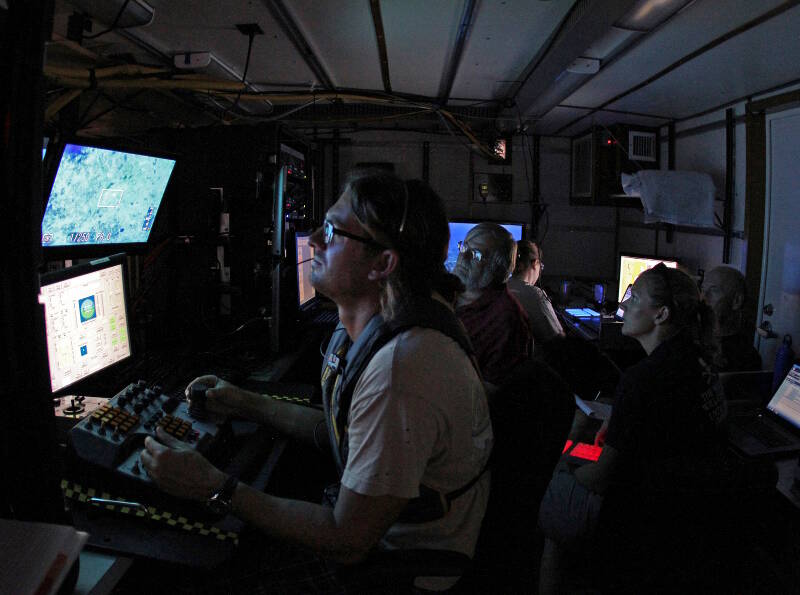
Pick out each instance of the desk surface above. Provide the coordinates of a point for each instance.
(788, 470)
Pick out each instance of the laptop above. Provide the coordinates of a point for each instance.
(773, 431)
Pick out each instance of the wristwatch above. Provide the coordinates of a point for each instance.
(221, 501)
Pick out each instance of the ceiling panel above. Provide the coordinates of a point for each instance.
(556, 118)
(745, 65)
(342, 36)
(688, 31)
(203, 26)
(420, 35)
(573, 122)
(505, 36)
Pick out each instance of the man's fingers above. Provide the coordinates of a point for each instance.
(208, 380)
(148, 462)
(153, 446)
(167, 440)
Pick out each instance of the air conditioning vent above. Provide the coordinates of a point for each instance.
(582, 166)
(642, 146)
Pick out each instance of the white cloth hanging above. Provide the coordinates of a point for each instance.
(677, 197)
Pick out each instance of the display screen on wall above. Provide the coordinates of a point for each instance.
(459, 230)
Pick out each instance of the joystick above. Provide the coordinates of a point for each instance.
(74, 408)
(197, 401)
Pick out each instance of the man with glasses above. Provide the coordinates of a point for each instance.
(495, 321)
(544, 322)
(405, 410)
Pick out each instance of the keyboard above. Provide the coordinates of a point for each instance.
(766, 434)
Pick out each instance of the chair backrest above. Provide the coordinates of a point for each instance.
(582, 366)
(531, 417)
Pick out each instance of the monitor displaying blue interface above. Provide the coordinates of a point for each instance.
(103, 196)
(459, 230)
(86, 320)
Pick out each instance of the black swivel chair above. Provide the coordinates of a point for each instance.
(531, 416)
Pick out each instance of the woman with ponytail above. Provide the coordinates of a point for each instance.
(664, 428)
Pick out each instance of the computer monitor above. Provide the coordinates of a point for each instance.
(86, 320)
(459, 230)
(632, 265)
(104, 197)
(304, 254)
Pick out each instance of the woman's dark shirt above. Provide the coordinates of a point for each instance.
(667, 414)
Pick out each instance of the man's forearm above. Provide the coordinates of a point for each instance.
(290, 419)
(312, 526)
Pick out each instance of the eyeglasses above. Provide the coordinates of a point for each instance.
(463, 249)
(328, 231)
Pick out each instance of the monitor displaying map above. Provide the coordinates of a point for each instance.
(631, 266)
(103, 196)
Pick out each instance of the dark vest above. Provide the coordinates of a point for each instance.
(342, 367)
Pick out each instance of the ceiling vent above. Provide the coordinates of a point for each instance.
(642, 145)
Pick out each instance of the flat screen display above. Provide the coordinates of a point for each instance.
(786, 401)
(86, 320)
(631, 267)
(459, 230)
(103, 196)
(305, 254)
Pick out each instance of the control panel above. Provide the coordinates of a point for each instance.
(112, 436)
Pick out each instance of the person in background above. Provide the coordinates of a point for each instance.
(666, 420)
(495, 321)
(543, 320)
(724, 290)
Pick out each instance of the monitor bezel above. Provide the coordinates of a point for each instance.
(92, 266)
(635, 255)
(77, 251)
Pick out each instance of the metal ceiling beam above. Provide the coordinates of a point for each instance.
(284, 19)
(587, 21)
(458, 50)
(377, 21)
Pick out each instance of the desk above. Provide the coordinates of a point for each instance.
(787, 486)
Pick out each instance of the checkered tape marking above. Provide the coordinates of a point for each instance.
(299, 400)
(74, 491)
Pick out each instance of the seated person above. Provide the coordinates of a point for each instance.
(724, 290)
(414, 419)
(543, 320)
(666, 419)
(495, 321)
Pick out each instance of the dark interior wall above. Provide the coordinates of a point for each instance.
(28, 480)
(179, 297)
